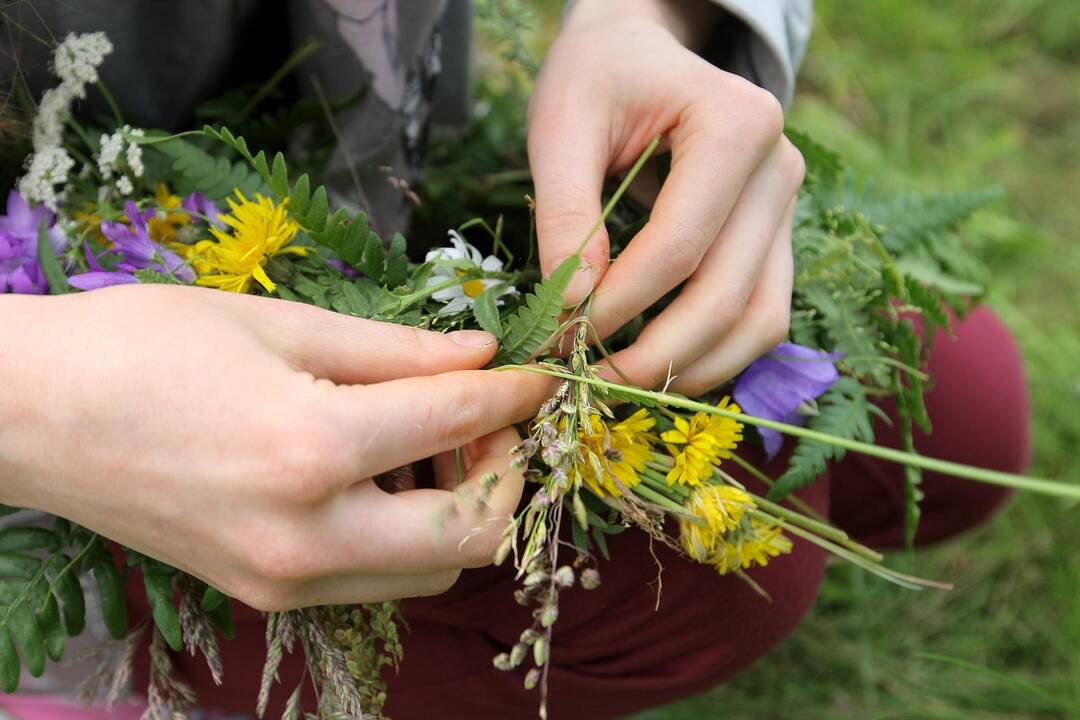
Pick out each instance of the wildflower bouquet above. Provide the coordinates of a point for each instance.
(204, 207)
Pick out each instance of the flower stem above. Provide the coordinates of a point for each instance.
(992, 477)
(663, 501)
(769, 482)
(824, 530)
(908, 581)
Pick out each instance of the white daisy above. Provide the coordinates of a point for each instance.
(452, 262)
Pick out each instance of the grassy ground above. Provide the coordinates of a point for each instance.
(957, 95)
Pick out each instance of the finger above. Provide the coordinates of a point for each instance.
(425, 416)
(715, 296)
(568, 157)
(761, 328)
(713, 156)
(426, 531)
(351, 350)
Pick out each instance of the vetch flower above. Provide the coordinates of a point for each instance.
(720, 509)
(456, 261)
(700, 443)
(134, 250)
(260, 229)
(776, 384)
(20, 271)
(613, 454)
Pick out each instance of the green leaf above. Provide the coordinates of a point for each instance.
(70, 592)
(159, 593)
(19, 566)
(923, 268)
(10, 667)
(195, 169)
(146, 276)
(50, 266)
(279, 177)
(15, 539)
(538, 318)
(487, 313)
(7, 510)
(24, 628)
(212, 599)
(843, 412)
(110, 587)
(222, 618)
(374, 259)
(48, 619)
(397, 263)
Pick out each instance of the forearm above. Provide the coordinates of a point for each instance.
(18, 328)
(690, 21)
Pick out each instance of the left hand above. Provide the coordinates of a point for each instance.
(618, 74)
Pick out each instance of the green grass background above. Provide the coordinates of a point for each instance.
(954, 95)
(949, 96)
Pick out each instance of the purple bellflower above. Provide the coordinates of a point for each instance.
(777, 383)
(20, 271)
(198, 204)
(135, 251)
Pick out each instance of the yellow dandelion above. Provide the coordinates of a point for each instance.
(260, 229)
(613, 456)
(720, 509)
(170, 216)
(754, 543)
(705, 440)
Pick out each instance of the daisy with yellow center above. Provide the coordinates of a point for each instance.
(255, 231)
(457, 261)
(700, 443)
(754, 543)
(170, 216)
(610, 457)
(719, 510)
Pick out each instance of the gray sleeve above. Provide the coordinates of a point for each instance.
(763, 41)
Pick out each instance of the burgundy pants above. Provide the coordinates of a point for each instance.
(614, 651)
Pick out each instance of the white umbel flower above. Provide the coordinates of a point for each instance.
(76, 63)
(451, 262)
(77, 59)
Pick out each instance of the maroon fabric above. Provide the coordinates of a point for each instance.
(615, 652)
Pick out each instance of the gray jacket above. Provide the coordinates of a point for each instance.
(412, 56)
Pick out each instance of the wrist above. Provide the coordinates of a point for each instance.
(18, 317)
(691, 22)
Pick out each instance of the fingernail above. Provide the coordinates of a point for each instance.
(472, 338)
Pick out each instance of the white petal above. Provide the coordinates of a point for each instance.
(491, 264)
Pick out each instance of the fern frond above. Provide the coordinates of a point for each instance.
(538, 317)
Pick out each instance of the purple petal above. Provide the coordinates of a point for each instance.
(100, 279)
(776, 384)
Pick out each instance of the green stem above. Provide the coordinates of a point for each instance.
(824, 530)
(769, 482)
(657, 499)
(114, 108)
(992, 477)
(908, 581)
(660, 484)
(623, 186)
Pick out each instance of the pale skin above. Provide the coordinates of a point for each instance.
(236, 437)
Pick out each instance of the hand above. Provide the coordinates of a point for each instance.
(616, 76)
(234, 437)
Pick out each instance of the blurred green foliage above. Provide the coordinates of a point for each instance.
(950, 96)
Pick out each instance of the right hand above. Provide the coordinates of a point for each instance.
(235, 438)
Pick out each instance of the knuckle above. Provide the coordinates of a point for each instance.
(479, 551)
(278, 558)
(684, 249)
(794, 165)
(407, 336)
(765, 113)
(776, 322)
(308, 460)
(466, 421)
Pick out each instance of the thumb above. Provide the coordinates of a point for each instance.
(568, 159)
(352, 351)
